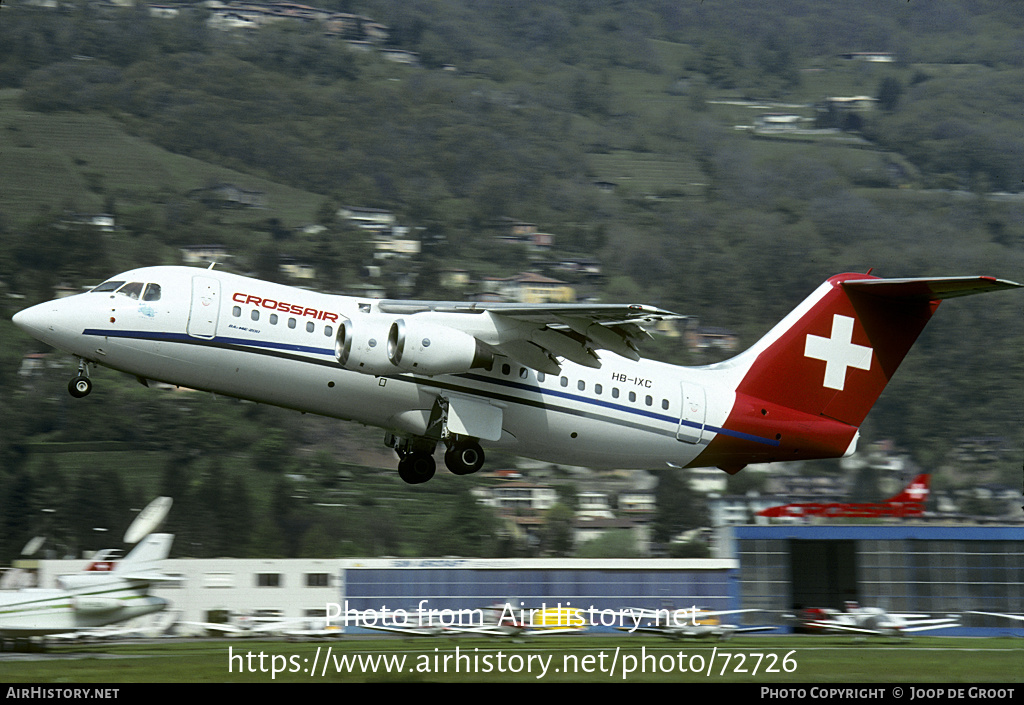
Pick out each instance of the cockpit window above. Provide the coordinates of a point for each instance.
(109, 286)
(152, 293)
(132, 290)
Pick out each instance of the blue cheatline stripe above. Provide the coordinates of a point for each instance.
(620, 407)
(218, 340)
(261, 347)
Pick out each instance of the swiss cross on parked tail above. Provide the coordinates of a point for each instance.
(838, 352)
(917, 492)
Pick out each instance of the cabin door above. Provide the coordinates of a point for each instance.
(692, 415)
(202, 318)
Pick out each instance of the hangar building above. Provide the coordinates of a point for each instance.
(898, 567)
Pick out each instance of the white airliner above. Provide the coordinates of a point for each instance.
(561, 383)
(89, 599)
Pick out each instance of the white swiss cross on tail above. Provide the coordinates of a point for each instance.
(917, 492)
(838, 352)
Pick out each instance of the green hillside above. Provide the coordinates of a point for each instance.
(87, 162)
(506, 112)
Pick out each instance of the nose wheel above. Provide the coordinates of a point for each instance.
(81, 385)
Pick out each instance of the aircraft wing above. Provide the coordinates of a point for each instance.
(552, 631)
(535, 335)
(408, 631)
(501, 631)
(751, 630)
(661, 631)
(1018, 617)
(928, 624)
(723, 630)
(683, 613)
(313, 633)
(219, 627)
(837, 626)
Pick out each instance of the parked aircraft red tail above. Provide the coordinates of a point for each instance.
(909, 502)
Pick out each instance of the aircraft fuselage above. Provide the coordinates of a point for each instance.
(529, 380)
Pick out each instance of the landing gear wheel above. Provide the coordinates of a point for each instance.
(416, 468)
(80, 386)
(464, 458)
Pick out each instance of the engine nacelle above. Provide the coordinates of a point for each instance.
(361, 345)
(431, 349)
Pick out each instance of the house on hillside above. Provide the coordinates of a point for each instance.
(294, 269)
(531, 288)
(875, 57)
(227, 195)
(519, 496)
(780, 122)
(844, 112)
(375, 219)
(401, 56)
(203, 254)
(711, 338)
(454, 278)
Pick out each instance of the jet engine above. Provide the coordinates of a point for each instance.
(431, 349)
(361, 345)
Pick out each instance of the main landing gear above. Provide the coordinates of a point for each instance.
(464, 457)
(81, 385)
(416, 457)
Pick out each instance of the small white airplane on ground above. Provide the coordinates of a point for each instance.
(311, 629)
(874, 621)
(411, 630)
(417, 625)
(248, 626)
(89, 600)
(504, 620)
(688, 623)
(557, 382)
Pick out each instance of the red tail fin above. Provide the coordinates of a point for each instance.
(808, 384)
(834, 355)
(835, 359)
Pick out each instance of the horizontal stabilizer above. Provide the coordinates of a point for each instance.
(929, 289)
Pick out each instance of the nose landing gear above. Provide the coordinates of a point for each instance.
(81, 385)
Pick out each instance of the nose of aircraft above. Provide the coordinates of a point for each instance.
(33, 319)
(49, 322)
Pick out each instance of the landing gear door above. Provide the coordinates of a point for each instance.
(692, 415)
(202, 318)
(473, 417)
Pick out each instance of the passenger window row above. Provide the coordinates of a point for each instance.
(274, 319)
(581, 385)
